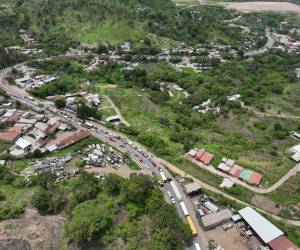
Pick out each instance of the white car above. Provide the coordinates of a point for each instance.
(173, 200)
(169, 193)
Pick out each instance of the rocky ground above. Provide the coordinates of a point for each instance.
(31, 231)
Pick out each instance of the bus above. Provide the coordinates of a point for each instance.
(191, 225)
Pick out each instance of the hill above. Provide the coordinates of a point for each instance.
(63, 23)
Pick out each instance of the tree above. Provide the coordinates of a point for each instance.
(113, 184)
(89, 221)
(47, 201)
(60, 103)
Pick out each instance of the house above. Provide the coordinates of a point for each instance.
(11, 134)
(192, 153)
(43, 127)
(296, 157)
(255, 179)
(93, 99)
(73, 138)
(199, 154)
(236, 170)
(24, 144)
(206, 158)
(24, 81)
(114, 118)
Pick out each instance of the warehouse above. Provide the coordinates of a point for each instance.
(261, 226)
(266, 231)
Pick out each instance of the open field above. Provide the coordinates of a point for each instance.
(265, 6)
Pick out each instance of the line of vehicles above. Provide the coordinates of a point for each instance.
(181, 202)
(162, 175)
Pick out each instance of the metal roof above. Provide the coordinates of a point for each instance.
(246, 174)
(264, 229)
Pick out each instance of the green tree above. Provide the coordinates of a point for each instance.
(60, 103)
(89, 221)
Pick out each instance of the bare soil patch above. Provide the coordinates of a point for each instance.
(31, 231)
(265, 6)
(236, 242)
(266, 204)
(123, 171)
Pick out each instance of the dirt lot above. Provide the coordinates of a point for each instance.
(266, 204)
(123, 171)
(236, 242)
(265, 6)
(31, 231)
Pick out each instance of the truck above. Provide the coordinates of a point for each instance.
(163, 177)
(176, 191)
(197, 246)
(184, 209)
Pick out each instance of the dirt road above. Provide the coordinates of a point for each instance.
(258, 190)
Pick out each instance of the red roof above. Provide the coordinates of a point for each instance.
(255, 178)
(199, 154)
(236, 170)
(207, 158)
(282, 243)
(78, 136)
(11, 134)
(14, 118)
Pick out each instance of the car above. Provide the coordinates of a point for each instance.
(161, 183)
(147, 167)
(169, 179)
(141, 161)
(181, 180)
(169, 193)
(173, 200)
(153, 173)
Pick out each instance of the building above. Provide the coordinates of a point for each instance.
(73, 138)
(192, 188)
(236, 170)
(192, 153)
(245, 175)
(114, 118)
(215, 219)
(296, 157)
(207, 158)
(261, 226)
(11, 134)
(282, 243)
(255, 179)
(199, 154)
(266, 231)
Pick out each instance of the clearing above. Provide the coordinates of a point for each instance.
(265, 6)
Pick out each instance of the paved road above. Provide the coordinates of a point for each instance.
(266, 47)
(139, 154)
(104, 135)
(292, 172)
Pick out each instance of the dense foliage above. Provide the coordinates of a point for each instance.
(95, 207)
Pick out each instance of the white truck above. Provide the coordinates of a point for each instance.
(163, 177)
(184, 209)
(176, 191)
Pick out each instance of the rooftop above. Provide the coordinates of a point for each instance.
(264, 229)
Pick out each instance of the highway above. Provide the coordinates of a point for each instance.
(137, 152)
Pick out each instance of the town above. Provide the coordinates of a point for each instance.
(149, 125)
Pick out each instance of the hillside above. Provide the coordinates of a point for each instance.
(63, 23)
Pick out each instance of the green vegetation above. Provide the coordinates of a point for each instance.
(131, 204)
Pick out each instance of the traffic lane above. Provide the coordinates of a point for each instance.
(135, 155)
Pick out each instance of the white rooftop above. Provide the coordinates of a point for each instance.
(296, 148)
(22, 143)
(264, 229)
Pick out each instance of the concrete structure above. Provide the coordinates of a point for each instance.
(215, 219)
(192, 188)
